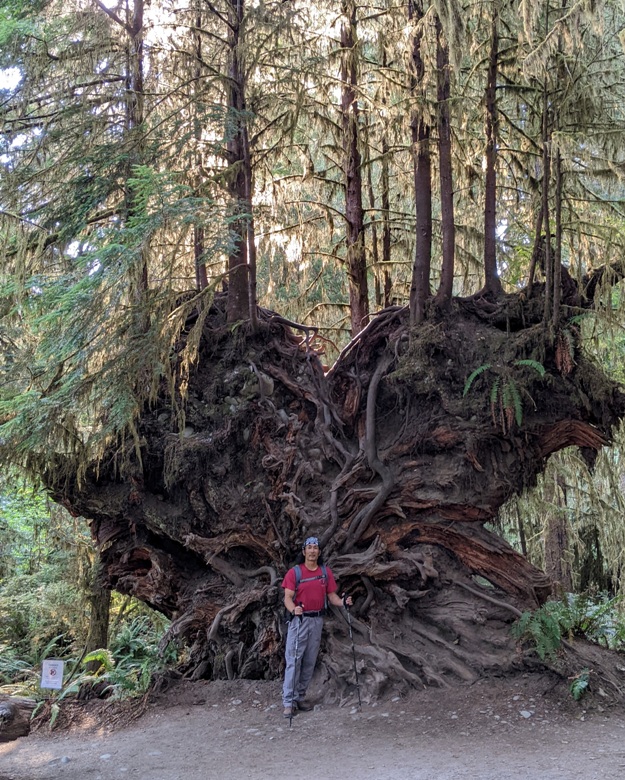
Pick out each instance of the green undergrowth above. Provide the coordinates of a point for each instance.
(124, 669)
(598, 619)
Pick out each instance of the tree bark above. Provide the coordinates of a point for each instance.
(492, 281)
(356, 259)
(420, 129)
(238, 176)
(386, 226)
(135, 107)
(201, 275)
(15, 713)
(384, 458)
(98, 638)
(557, 541)
(445, 289)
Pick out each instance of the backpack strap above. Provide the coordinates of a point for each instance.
(298, 576)
(323, 576)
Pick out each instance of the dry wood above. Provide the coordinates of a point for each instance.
(15, 713)
(387, 458)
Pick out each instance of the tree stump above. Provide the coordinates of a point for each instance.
(393, 459)
(15, 713)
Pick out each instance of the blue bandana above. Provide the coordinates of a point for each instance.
(311, 540)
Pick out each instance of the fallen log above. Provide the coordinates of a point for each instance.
(15, 713)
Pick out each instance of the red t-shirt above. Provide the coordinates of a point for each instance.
(310, 595)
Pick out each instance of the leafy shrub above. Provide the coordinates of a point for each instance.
(597, 619)
(126, 667)
(579, 684)
(543, 628)
(135, 649)
(34, 609)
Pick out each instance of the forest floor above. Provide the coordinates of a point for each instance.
(515, 728)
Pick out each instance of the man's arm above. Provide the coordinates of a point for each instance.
(290, 604)
(337, 601)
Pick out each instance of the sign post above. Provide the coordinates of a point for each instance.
(52, 674)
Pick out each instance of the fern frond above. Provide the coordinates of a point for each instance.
(473, 376)
(512, 400)
(105, 657)
(532, 364)
(579, 684)
(494, 391)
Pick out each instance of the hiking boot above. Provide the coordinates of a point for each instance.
(290, 712)
(304, 706)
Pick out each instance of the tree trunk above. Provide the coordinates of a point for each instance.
(546, 144)
(251, 232)
(547, 259)
(386, 209)
(100, 603)
(557, 260)
(557, 543)
(201, 275)
(385, 458)
(356, 259)
(446, 177)
(492, 282)
(135, 107)
(238, 282)
(420, 128)
(373, 225)
(386, 225)
(15, 715)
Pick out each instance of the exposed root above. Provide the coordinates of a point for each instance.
(387, 458)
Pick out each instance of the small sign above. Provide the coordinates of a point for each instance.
(52, 674)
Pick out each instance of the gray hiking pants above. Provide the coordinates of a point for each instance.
(306, 634)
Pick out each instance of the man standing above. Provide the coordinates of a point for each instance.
(308, 587)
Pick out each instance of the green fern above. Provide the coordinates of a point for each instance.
(511, 399)
(505, 396)
(494, 391)
(54, 714)
(597, 620)
(541, 627)
(532, 364)
(579, 684)
(105, 657)
(473, 376)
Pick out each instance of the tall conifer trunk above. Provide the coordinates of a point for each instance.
(420, 129)
(492, 282)
(100, 606)
(201, 276)
(446, 176)
(386, 224)
(238, 160)
(352, 173)
(135, 109)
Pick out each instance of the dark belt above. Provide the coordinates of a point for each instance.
(319, 613)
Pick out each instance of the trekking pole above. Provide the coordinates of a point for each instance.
(295, 675)
(351, 636)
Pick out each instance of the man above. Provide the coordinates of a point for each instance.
(308, 588)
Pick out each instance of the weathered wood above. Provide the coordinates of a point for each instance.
(388, 458)
(15, 713)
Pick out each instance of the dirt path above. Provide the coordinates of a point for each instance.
(225, 731)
